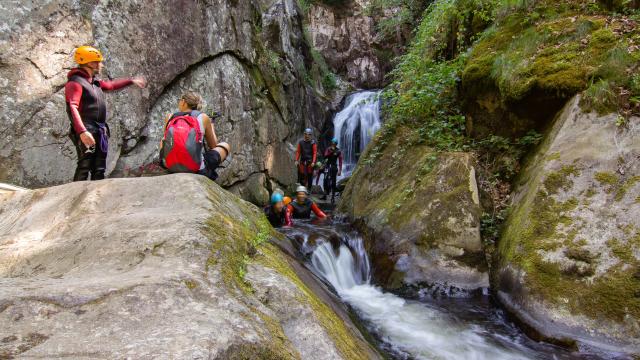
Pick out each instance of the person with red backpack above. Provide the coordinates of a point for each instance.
(87, 111)
(186, 133)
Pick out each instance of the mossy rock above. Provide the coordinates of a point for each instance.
(520, 73)
(568, 259)
(416, 205)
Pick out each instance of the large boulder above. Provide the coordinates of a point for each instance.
(124, 268)
(248, 59)
(421, 215)
(568, 262)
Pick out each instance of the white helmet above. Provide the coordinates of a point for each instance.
(302, 189)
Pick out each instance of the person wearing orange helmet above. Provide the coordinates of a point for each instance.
(87, 111)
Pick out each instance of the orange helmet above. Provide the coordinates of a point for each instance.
(287, 200)
(87, 54)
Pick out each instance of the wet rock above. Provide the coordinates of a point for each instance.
(420, 213)
(567, 258)
(122, 268)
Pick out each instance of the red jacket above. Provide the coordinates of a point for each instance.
(73, 92)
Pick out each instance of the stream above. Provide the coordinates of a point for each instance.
(466, 328)
(470, 328)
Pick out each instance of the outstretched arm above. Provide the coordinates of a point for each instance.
(340, 163)
(117, 84)
(298, 152)
(316, 210)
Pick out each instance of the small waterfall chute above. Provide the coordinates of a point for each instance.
(406, 327)
(356, 124)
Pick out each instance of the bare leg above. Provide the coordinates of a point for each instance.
(223, 149)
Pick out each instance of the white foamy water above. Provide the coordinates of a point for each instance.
(356, 124)
(409, 327)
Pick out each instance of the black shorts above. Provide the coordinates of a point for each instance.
(212, 161)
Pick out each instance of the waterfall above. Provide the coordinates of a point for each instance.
(410, 329)
(356, 124)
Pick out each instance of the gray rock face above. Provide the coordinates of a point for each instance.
(246, 58)
(122, 268)
(347, 36)
(569, 259)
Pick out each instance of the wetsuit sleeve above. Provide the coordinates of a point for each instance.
(114, 85)
(340, 160)
(287, 217)
(73, 95)
(298, 152)
(315, 153)
(316, 210)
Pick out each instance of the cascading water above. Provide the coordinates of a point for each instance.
(406, 327)
(356, 124)
(409, 329)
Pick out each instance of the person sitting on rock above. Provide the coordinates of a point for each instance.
(87, 111)
(277, 213)
(306, 155)
(302, 206)
(183, 146)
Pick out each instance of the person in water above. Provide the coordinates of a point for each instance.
(302, 206)
(306, 155)
(87, 111)
(333, 160)
(277, 213)
(186, 134)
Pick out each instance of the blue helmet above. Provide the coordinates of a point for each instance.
(276, 198)
(334, 141)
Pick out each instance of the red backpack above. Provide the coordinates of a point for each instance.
(182, 143)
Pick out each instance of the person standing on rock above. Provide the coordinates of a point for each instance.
(183, 149)
(306, 155)
(277, 213)
(333, 159)
(302, 206)
(87, 111)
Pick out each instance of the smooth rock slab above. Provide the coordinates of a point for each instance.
(164, 267)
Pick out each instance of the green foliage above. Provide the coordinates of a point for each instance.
(404, 14)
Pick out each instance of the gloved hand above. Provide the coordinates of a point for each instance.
(297, 163)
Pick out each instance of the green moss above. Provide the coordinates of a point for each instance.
(560, 179)
(553, 156)
(590, 192)
(621, 251)
(191, 284)
(606, 178)
(555, 56)
(626, 187)
(347, 345)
